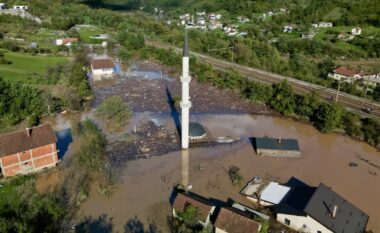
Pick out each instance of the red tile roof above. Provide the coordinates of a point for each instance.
(69, 40)
(183, 201)
(233, 222)
(342, 70)
(106, 63)
(21, 141)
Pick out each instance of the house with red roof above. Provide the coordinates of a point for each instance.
(27, 151)
(346, 74)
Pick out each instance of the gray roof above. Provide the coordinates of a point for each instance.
(348, 219)
(276, 144)
(196, 129)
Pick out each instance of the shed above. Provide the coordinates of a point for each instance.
(277, 147)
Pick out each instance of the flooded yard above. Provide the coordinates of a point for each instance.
(325, 158)
(146, 183)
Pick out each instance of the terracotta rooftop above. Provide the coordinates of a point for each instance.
(183, 201)
(342, 70)
(69, 40)
(26, 139)
(106, 63)
(231, 221)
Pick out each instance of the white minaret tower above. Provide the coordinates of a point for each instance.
(185, 103)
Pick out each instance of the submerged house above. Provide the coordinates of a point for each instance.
(102, 69)
(277, 147)
(28, 150)
(320, 210)
(184, 201)
(265, 194)
(232, 220)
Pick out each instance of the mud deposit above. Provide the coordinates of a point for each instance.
(325, 158)
(150, 90)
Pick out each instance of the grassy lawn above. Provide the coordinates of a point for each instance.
(26, 67)
(86, 33)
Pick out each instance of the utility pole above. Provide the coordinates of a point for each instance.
(337, 93)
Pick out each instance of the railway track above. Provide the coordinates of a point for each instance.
(351, 102)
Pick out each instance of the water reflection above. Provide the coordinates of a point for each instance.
(64, 139)
(185, 168)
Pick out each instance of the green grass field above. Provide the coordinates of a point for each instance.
(86, 33)
(26, 67)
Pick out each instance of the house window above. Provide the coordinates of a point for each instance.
(287, 221)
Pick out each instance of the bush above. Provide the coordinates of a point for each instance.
(235, 176)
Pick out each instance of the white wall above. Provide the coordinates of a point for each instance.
(217, 230)
(297, 223)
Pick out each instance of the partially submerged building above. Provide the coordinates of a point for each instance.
(184, 201)
(28, 150)
(102, 69)
(265, 194)
(232, 220)
(309, 209)
(277, 147)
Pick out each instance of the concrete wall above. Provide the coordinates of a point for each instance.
(100, 74)
(29, 161)
(278, 153)
(302, 223)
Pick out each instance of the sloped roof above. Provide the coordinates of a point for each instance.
(348, 219)
(342, 70)
(20, 141)
(106, 63)
(69, 40)
(235, 221)
(183, 201)
(274, 193)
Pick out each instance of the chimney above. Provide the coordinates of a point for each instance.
(334, 211)
(28, 132)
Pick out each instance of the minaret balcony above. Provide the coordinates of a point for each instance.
(185, 104)
(187, 79)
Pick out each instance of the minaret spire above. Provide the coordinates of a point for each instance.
(185, 103)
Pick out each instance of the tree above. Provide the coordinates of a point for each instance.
(187, 222)
(283, 99)
(307, 104)
(328, 117)
(352, 125)
(114, 111)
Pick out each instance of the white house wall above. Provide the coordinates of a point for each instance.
(298, 222)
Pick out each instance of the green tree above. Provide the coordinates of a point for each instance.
(352, 125)
(114, 111)
(307, 104)
(283, 98)
(187, 222)
(328, 117)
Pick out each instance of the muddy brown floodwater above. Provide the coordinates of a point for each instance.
(325, 158)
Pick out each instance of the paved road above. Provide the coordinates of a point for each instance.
(349, 101)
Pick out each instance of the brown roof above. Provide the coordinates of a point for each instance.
(20, 141)
(102, 63)
(69, 40)
(232, 222)
(183, 201)
(342, 70)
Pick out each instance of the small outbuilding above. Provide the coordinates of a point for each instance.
(277, 147)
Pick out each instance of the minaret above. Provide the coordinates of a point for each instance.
(185, 103)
